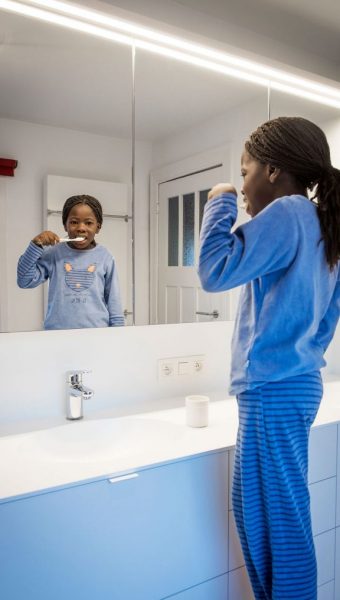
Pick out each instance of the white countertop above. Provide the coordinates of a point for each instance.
(24, 472)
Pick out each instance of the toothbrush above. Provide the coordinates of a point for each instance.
(76, 239)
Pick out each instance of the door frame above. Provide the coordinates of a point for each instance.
(216, 157)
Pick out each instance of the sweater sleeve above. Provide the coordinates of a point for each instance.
(31, 270)
(265, 244)
(112, 296)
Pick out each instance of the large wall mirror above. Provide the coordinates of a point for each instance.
(326, 117)
(66, 115)
(192, 124)
(281, 104)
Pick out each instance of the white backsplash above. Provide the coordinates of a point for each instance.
(124, 364)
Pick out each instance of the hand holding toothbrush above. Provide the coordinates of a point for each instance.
(49, 238)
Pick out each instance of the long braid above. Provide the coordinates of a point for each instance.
(300, 148)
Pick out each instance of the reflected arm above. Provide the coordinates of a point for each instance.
(112, 296)
(31, 271)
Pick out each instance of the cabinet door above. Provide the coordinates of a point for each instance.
(215, 589)
(337, 564)
(322, 452)
(142, 538)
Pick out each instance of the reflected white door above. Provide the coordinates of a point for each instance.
(180, 296)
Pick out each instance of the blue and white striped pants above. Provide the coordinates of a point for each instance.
(270, 487)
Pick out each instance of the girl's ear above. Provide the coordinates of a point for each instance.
(98, 227)
(273, 173)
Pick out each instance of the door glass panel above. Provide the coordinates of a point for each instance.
(203, 201)
(173, 232)
(189, 230)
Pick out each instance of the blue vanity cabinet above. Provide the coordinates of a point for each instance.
(140, 538)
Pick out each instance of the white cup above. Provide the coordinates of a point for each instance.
(197, 410)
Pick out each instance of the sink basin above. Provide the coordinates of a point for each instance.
(100, 440)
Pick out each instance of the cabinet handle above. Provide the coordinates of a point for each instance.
(122, 477)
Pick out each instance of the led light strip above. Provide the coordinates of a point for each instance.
(101, 25)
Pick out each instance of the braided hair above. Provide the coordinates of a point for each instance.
(300, 148)
(92, 202)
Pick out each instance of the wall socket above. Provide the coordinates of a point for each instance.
(180, 366)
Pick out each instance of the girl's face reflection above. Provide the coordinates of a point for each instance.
(82, 222)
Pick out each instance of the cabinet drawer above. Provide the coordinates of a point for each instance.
(338, 484)
(337, 564)
(325, 555)
(146, 537)
(322, 452)
(326, 591)
(215, 589)
(239, 585)
(236, 558)
(323, 500)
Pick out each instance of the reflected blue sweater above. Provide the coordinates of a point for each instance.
(83, 285)
(290, 303)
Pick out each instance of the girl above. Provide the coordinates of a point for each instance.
(288, 257)
(83, 284)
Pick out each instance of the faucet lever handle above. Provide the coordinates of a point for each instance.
(75, 377)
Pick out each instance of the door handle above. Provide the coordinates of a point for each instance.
(215, 314)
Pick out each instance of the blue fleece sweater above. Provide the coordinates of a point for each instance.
(290, 304)
(83, 285)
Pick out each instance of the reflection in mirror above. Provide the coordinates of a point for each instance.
(326, 117)
(191, 125)
(292, 106)
(65, 115)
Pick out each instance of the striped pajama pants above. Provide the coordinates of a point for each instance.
(270, 487)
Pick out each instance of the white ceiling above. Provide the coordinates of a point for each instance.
(51, 75)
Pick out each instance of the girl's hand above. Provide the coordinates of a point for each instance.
(221, 188)
(46, 238)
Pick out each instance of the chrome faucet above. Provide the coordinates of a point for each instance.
(76, 393)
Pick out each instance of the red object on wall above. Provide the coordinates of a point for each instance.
(7, 166)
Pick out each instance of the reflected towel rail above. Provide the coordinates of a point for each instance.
(105, 215)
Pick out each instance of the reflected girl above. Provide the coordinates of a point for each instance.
(83, 282)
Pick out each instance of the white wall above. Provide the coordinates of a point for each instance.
(124, 363)
(332, 130)
(124, 368)
(41, 150)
